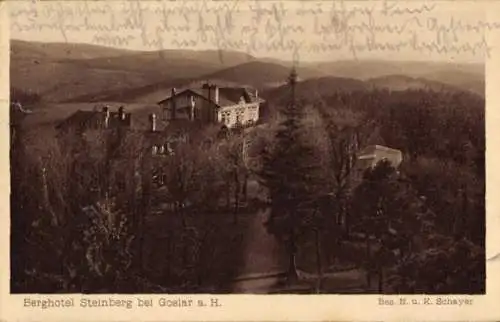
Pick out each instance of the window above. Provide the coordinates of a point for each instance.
(240, 115)
(225, 116)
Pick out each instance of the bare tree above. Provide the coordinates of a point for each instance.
(345, 139)
(237, 173)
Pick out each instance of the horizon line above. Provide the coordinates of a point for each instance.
(258, 57)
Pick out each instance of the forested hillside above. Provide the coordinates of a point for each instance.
(434, 208)
(94, 212)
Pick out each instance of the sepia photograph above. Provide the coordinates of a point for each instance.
(217, 169)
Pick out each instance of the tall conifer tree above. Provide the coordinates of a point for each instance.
(289, 172)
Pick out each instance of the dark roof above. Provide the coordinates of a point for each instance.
(79, 117)
(83, 118)
(227, 95)
(234, 95)
(190, 91)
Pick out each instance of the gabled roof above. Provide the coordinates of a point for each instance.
(233, 95)
(82, 118)
(227, 95)
(79, 117)
(189, 91)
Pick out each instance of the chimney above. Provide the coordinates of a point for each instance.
(206, 90)
(215, 95)
(105, 112)
(152, 120)
(173, 104)
(191, 111)
(192, 106)
(121, 113)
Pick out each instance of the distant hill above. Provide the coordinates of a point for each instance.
(151, 93)
(56, 81)
(63, 72)
(170, 63)
(468, 77)
(254, 74)
(268, 72)
(472, 81)
(403, 83)
(316, 88)
(261, 74)
(59, 51)
(325, 86)
(55, 72)
(312, 87)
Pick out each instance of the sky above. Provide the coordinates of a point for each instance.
(291, 30)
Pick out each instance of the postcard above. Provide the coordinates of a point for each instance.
(203, 160)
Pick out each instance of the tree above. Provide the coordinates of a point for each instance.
(236, 171)
(388, 212)
(289, 174)
(57, 181)
(190, 171)
(344, 143)
(108, 246)
(23, 200)
(445, 266)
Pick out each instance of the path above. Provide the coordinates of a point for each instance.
(264, 260)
